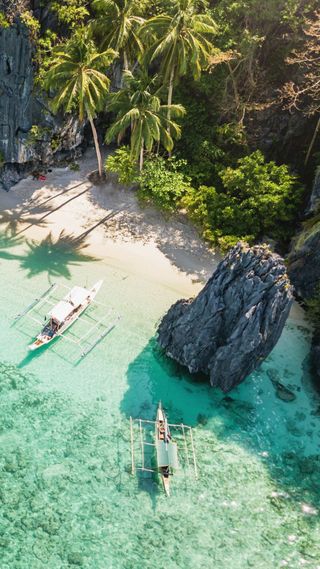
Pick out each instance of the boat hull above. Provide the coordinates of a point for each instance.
(43, 340)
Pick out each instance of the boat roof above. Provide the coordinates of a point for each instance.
(77, 295)
(61, 311)
(74, 298)
(167, 454)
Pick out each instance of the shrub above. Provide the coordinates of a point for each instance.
(162, 182)
(122, 164)
(4, 23)
(262, 198)
(259, 198)
(31, 23)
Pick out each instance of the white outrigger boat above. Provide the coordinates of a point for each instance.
(167, 452)
(65, 313)
(166, 448)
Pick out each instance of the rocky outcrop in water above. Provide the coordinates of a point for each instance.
(22, 106)
(235, 321)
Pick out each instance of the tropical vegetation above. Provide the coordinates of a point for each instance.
(213, 106)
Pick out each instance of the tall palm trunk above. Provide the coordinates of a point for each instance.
(170, 93)
(125, 61)
(141, 156)
(96, 144)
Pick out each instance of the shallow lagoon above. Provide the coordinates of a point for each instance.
(66, 493)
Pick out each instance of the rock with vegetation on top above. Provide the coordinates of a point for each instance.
(30, 135)
(235, 321)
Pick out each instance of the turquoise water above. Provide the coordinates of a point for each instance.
(67, 496)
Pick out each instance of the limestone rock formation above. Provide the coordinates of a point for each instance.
(304, 262)
(304, 259)
(314, 201)
(21, 107)
(235, 321)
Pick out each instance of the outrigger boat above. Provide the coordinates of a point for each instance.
(167, 452)
(65, 313)
(166, 448)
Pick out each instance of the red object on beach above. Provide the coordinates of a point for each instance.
(42, 178)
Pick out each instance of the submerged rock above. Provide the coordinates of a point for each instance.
(235, 321)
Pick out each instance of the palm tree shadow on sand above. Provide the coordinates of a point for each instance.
(153, 377)
(55, 256)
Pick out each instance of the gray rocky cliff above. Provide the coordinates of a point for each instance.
(304, 259)
(314, 201)
(304, 271)
(235, 321)
(21, 107)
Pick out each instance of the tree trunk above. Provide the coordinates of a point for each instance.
(170, 93)
(141, 156)
(312, 142)
(97, 147)
(125, 61)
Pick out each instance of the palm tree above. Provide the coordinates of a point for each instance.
(117, 25)
(139, 109)
(181, 43)
(77, 76)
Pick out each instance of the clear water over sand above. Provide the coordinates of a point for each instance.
(67, 498)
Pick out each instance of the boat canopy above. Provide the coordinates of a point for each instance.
(65, 307)
(61, 311)
(167, 454)
(77, 295)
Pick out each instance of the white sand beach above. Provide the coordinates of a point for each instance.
(110, 222)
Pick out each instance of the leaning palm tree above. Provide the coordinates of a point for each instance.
(181, 44)
(117, 25)
(139, 109)
(77, 77)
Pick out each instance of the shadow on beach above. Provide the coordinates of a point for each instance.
(51, 255)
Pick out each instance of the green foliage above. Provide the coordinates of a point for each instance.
(72, 13)
(4, 23)
(37, 134)
(117, 26)
(262, 198)
(259, 198)
(138, 107)
(45, 45)
(74, 166)
(31, 23)
(182, 40)
(163, 183)
(122, 164)
(77, 75)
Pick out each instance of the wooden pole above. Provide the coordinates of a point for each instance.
(132, 449)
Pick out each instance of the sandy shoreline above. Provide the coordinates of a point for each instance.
(110, 224)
